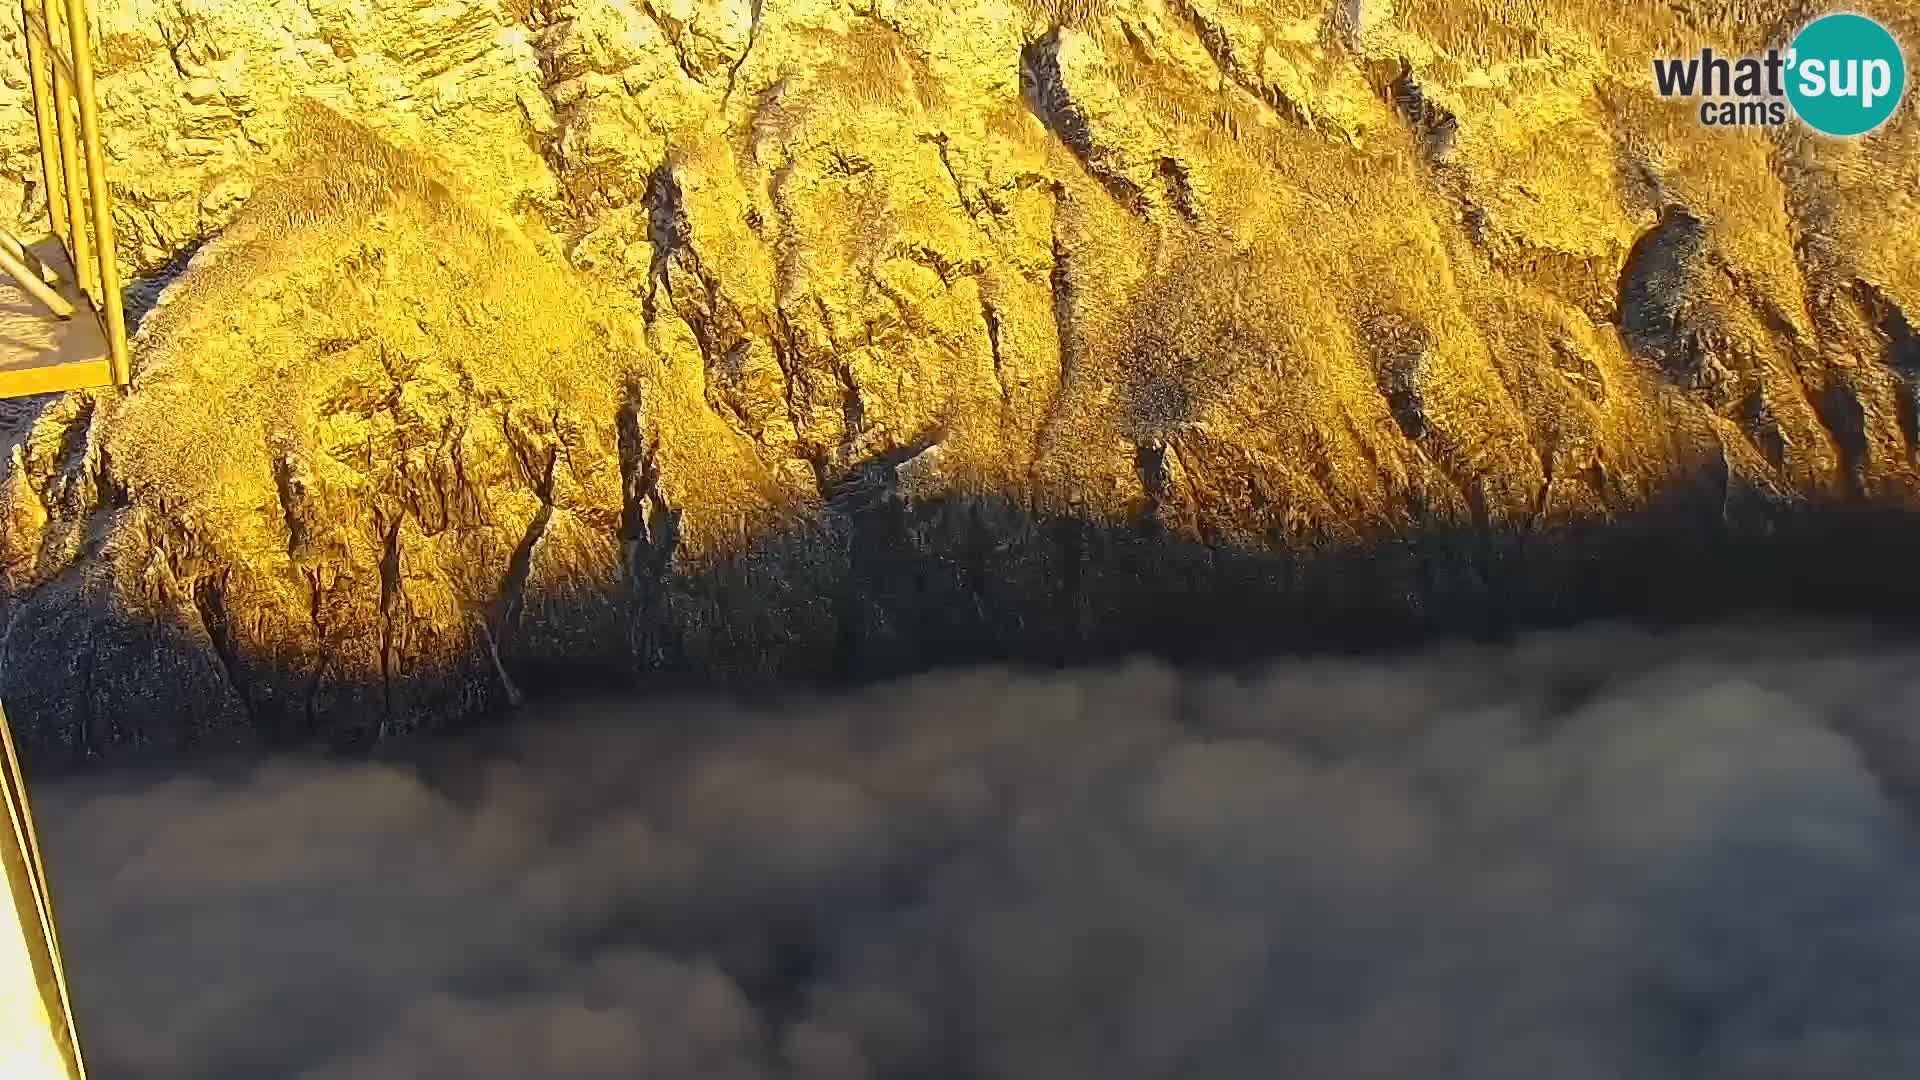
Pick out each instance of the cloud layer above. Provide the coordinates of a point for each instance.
(1595, 854)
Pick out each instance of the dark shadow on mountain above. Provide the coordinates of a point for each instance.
(882, 584)
(886, 585)
(914, 586)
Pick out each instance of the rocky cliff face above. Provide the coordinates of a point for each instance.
(533, 342)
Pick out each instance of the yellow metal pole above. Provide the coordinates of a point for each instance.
(109, 300)
(37, 1036)
(40, 64)
(31, 281)
(32, 258)
(77, 247)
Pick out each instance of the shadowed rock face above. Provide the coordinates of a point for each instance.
(726, 341)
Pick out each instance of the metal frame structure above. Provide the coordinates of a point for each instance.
(76, 268)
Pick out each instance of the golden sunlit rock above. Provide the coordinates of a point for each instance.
(527, 341)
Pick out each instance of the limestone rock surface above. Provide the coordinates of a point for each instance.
(508, 346)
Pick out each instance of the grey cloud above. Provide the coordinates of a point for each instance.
(1601, 853)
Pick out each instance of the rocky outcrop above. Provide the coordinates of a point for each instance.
(527, 344)
(197, 97)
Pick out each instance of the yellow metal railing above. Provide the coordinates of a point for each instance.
(73, 165)
(37, 1037)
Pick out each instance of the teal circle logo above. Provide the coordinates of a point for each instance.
(1845, 75)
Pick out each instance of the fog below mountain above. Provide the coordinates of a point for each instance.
(1601, 853)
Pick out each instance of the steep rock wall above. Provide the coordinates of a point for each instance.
(731, 340)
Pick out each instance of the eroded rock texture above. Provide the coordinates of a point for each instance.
(530, 343)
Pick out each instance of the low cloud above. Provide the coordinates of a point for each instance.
(1595, 854)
